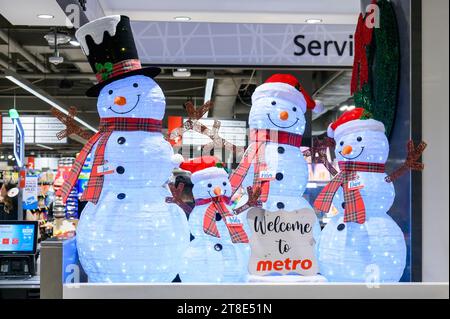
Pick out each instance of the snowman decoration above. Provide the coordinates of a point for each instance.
(362, 243)
(219, 251)
(127, 233)
(274, 161)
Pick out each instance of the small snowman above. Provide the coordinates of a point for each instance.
(127, 233)
(362, 243)
(219, 251)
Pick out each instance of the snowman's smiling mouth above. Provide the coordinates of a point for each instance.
(268, 116)
(362, 149)
(137, 102)
(224, 193)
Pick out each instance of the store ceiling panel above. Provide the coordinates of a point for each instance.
(26, 12)
(248, 11)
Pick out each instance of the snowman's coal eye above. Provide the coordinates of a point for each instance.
(135, 85)
(209, 185)
(110, 92)
(274, 102)
(224, 183)
(341, 143)
(359, 138)
(294, 109)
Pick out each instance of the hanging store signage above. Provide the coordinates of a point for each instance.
(200, 43)
(19, 142)
(282, 242)
(37, 129)
(234, 132)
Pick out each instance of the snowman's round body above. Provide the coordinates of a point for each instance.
(131, 234)
(375, 250)
(210, 258)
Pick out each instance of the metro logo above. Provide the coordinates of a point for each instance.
(280, 265)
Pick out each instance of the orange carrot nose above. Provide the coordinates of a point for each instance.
(120, 100)
(218, 191)
(347, 149)
(284, 115)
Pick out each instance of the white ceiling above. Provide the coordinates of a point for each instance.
(24, 12)
(242, 11)
(237, 11)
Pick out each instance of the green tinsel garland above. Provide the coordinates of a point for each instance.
(379, 96)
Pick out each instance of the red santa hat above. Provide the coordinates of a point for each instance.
(205, 167)
(355, 120)
(287, 87)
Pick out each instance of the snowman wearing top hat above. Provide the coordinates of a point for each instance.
(127, 233)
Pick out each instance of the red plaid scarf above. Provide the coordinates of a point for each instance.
(255, 154)
(217, 205)
(107, 126)
(355, 210)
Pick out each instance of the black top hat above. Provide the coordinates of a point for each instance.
(109, 46)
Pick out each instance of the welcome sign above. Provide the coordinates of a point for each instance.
(282, 242)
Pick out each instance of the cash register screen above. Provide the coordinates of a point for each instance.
(18, 237)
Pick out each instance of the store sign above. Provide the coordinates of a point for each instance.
(282, 242)
(30, 193)
(201, 43)
(19, 142)
(233, 131)
(37, 129)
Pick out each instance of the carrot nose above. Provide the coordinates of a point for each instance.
(284, 115)
(218, 191)
(120, 100)
(347, 149)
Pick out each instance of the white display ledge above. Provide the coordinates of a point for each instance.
(257, 291)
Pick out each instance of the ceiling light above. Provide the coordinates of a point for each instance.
(23, 84)
(350, 107)
(75, 43)
(45, 16)
(45, 146)
(182, 18)
(181, 73)
(10, 156)
(2, 156)
(343, 108)
(314, 20)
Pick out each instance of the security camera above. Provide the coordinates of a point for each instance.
(56, 59)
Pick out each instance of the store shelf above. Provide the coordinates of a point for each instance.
(257, 291)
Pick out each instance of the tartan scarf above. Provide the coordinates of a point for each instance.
(355, 210)
(217, 205)
(255, 154)
(107, 126)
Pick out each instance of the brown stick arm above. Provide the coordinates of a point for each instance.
(253, 200)
(411, 162)
(176, 197)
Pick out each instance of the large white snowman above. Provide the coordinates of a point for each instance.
(362, 243)
(127, 233)
(220, 256)
(277, 123)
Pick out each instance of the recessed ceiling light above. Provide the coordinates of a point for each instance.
(45, 16)
(75, 43)
(182, 18)
(181, 73)
(343, 108)
(312, 21)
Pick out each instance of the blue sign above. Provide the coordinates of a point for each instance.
(19, 138)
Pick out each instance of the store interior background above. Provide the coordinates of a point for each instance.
(23, 49)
